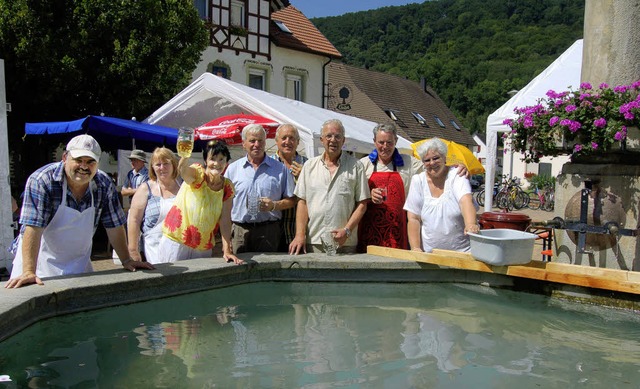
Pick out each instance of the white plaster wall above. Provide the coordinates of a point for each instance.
(280, 58)
(514, 160)
(313, 63)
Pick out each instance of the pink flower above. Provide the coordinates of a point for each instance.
(594, 145)
(528, 122)
(600, 123)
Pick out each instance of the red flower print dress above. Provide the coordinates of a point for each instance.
(196, 212)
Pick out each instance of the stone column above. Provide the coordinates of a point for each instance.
(611, 54)
(611, 51)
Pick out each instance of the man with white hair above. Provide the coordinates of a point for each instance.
(261, 182)
(63, 204)
(389, 176)
(333, 193)
(287, 141)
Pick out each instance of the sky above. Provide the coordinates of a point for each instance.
(320, 8)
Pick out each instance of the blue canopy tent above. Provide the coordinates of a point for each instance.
(110, 132)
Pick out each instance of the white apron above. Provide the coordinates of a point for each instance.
(152, 236)
(65, 247)
(442, 221)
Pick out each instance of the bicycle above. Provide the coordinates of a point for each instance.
(512, 196)
(542, 199)
(497, 186)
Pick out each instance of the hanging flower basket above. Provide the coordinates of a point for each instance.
(584, 122)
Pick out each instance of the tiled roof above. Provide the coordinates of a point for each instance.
(361, 106)
(389, 92)
(304, 35)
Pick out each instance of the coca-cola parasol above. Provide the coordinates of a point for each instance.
(229, 128)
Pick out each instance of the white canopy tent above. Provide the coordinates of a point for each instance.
(562, 74)
(211, 96)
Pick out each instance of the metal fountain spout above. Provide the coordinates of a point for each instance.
(581, 227)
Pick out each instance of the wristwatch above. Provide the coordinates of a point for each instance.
(347, 231)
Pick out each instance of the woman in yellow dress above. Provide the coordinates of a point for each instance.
(203, 202)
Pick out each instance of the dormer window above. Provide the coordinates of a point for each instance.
(455, 125)
(437, 119)
(283, 27)
(420, 119)
(391, 114)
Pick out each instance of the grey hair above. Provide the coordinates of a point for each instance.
(389, 128)
(285, 126)
(433, 144)
(253, 129)
(335, 122)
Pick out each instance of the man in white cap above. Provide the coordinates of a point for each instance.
(138, 175)
(62, 206)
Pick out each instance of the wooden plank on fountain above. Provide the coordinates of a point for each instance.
(563, 273)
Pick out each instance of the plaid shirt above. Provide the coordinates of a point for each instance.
(289, 215)
(135, 180)
(43, 196)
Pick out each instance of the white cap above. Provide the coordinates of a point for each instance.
(84, 146)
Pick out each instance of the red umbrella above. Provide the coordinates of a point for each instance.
(229, 128)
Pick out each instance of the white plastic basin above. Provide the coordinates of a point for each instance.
(501, 246)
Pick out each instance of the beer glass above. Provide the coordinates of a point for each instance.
(383, 193)
(329, 243)
(185, 142)
(253, 203)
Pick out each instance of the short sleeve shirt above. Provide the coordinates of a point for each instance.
(271, 179)
(134, 180)
(331, 200)
(442, 224)
(43, 196)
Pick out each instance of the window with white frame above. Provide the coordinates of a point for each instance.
(293, 88)
(258, 78)
(238, 13)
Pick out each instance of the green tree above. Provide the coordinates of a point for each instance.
(65, 59)
(472, 52)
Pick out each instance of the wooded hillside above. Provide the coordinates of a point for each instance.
(472, 52)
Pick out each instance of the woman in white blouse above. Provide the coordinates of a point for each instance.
(440, 207)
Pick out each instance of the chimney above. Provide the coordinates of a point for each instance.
(423, 84)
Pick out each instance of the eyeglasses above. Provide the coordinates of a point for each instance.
(434, 159)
